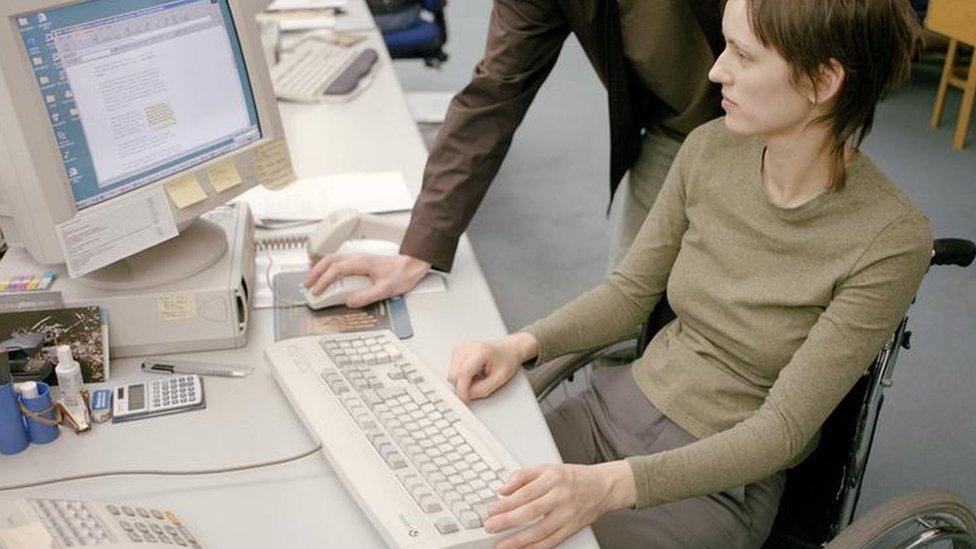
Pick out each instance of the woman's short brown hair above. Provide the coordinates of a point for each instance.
(872, 40)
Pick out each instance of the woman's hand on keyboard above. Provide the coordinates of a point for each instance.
(564, 497)
(478, 368)
(390, 276)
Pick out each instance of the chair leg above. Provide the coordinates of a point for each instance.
(944, 83)
(966, 110)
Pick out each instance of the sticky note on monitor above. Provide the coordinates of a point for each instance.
(224, 175)
(185, 191)
(272, 165)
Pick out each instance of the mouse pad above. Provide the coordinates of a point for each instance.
(293, 319)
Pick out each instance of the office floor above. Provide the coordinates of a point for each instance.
(541, 237)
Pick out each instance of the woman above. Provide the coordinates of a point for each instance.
(788, 258)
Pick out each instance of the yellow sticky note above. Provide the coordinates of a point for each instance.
(224, 175)
(185, 191)
(272, 165)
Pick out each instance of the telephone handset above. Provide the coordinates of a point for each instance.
(350, 224)
(38, 522)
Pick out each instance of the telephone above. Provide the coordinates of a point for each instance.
(41, 523)
(350, 224)
(338, 227)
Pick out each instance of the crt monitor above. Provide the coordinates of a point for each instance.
(122, 118)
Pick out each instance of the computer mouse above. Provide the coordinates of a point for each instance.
(337, 293)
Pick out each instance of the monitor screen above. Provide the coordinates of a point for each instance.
(138, 90)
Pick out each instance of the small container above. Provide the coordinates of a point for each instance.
(41, 427)
(69, 378)
(13, 432)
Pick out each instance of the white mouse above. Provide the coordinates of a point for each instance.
(338, 292)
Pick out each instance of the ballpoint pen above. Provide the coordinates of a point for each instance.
(161, 366)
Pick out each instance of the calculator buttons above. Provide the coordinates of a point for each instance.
(128, 511)
(156, 513)
(71, 523)
(113, 509)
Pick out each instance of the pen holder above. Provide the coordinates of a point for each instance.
(42, 424)
(13, 433)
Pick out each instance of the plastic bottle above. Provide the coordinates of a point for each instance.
(68, 372)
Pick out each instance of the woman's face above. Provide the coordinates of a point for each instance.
(757, 94)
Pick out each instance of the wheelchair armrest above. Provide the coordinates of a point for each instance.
(547, 376)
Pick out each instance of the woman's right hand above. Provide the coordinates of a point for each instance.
(478, 368)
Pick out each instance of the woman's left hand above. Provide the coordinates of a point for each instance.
(564, 498)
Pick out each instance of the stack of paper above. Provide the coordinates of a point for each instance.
(287, 5)
(314, 197)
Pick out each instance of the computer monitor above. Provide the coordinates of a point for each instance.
(122, 118)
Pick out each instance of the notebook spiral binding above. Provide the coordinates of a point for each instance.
(279, 243)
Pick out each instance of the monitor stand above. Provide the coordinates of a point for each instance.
(196, 248)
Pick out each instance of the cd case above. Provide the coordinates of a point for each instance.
(293, 319)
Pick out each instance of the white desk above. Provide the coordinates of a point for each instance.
(303, 503)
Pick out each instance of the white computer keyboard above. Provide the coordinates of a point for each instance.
(317, 69)
(418, 462)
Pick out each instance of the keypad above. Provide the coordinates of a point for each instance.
(173, 392)
(78, 524)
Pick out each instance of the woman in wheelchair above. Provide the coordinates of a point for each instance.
(788, 258)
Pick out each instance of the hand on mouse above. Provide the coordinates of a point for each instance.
(390, 276)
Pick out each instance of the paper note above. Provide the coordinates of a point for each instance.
(428, 107)
(283, 5)
(224, 175)
(176, 306)
(185, 191)
(315, 197)
(96, 238)
(32, 535)
(272, 165)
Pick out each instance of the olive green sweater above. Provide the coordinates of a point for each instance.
(780, 311)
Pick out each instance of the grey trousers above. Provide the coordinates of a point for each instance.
(613, 420)
(639, 189)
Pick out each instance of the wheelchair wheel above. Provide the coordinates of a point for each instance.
(918, 519)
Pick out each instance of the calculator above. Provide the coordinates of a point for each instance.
(158, 397)
(73, 523)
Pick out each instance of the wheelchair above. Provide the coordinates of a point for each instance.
(822, 491)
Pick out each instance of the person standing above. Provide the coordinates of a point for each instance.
(652, 57)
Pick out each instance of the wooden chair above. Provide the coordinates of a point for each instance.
(956, 19)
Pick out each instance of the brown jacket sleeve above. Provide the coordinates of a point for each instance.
(524, 40)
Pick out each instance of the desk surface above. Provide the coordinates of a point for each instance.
(248, 420)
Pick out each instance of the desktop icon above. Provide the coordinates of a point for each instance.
(22, 21)
(74, 111)
(38, 61)
(41, 18)
(50, 98)
(69, 94)
(72, 171)
(55, 117)
(44, 80)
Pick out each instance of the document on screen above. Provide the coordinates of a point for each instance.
(150, 97)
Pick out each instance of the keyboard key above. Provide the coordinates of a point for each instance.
(470, 519)
(445, 526)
